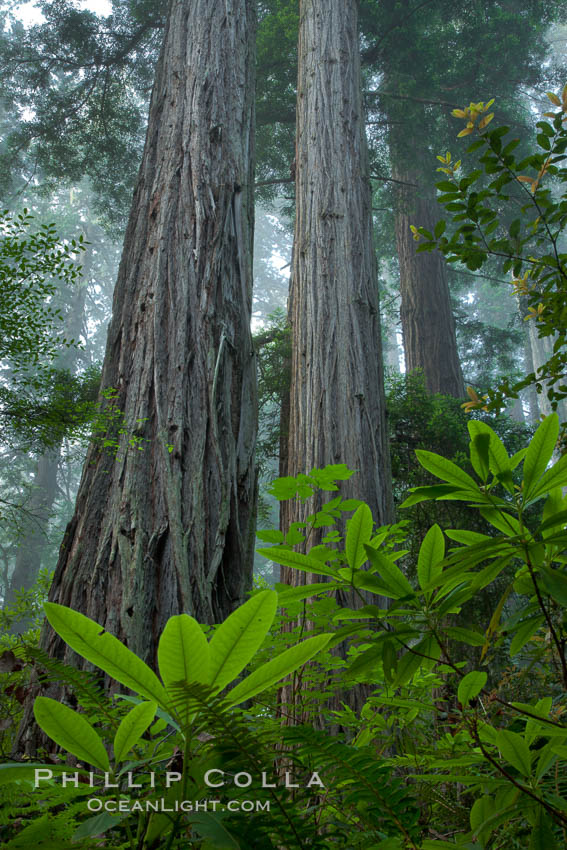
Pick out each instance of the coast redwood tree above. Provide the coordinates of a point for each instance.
(426, 312)
(168, 525)
(337, 409)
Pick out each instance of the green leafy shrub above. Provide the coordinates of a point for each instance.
(529, 245)
(507, 753)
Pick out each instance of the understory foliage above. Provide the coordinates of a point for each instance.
(461, 741)
(514, 210)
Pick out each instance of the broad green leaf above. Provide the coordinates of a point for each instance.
(515, 750)
(423, 494)
(446, 470)
(453, 601)
(539, 453)
(209, 825)
(423, 654)
(479, 447)
(365, 613)
(407, 665)
(359, 532)
(270, 535)
(183, 651)
(25, 771)
(503, 521)
(276, 669)
(489, 573)
(467, 636)
(391, 574)
(499, 461)
(101, 648)
(524, 632)
(552, 478)
(467, 537)
(237, 640)
(304, 591)
(366, 662)
(367, 581)
(71, 731)
(389, 660)
(542, 836)
(98, 825)
(555, 582)
(554, 514)
(132, 727)
(431, 553)
(289, 558)
(480, 812)
(471, 685)
(518, 457)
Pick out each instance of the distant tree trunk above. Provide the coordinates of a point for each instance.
(542, 350)
(170, 528)
(530, 393)
(35, 522)
(428, 324)
(337, 409)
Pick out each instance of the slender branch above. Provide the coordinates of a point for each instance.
(553, 812)
(274, 182)
(393, 180)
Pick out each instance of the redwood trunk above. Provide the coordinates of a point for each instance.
(337, 412)
(170, 527)
(428, 324)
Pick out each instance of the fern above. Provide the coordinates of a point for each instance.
(291, 821)
(86, 687)
(363, 784)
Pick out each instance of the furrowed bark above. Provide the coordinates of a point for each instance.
(337, 409)
(168, 525)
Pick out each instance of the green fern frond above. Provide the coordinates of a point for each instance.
(362, 782)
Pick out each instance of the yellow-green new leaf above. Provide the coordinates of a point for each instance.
(238, 639)
(183, 651)
(276, 669)
(71, 731)
(359, 532)
(103, 649)
(132, 727)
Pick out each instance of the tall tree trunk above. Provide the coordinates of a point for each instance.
(337, 410)
(428, 324)
(170, 528)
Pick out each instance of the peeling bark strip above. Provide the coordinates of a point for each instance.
(170, 528)
(337, 395)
